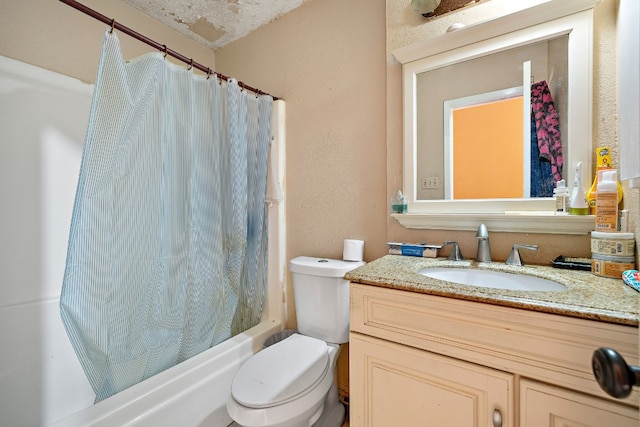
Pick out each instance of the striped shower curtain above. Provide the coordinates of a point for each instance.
(168, 243)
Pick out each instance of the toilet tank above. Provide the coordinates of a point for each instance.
(322, 297)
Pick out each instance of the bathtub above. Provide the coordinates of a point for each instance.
(193, 393)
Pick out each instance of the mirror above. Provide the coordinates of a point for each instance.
(550, 42)
(492, 150)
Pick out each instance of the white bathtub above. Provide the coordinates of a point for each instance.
(193, 393)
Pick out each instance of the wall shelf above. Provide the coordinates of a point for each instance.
(525, 222)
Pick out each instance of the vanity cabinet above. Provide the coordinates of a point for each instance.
(423, 360)
(404, 386)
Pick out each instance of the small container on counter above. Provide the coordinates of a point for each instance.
(617, 244)
(414, 249)
(607, 201)
(611, 266)
(561, 194)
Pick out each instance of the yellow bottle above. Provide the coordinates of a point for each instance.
(603, 162)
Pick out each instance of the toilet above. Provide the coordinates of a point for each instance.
(291, 383)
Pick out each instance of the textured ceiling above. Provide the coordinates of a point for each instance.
(215, 23)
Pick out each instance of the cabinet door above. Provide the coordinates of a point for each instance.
(543, 405)
(397, 385)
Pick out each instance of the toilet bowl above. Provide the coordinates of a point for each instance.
(285, 385)
(291, 383)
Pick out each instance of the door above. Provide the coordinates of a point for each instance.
(544, 405)
(403, 386)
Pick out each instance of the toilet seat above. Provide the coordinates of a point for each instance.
(282, 372)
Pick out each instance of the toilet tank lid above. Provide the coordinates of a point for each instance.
(324, 267)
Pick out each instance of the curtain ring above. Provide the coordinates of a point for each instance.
(208, 73)
(164, 50)
(258, 93)
(190, 64)
(113, 23)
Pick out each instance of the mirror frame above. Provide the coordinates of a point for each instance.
(546, 21)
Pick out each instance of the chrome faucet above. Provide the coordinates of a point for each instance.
(484, 250)
(514, 256)
(456, 254)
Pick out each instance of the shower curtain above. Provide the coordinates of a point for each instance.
(167, 249)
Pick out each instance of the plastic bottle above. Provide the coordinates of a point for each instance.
(623, 222)
(603, 162)
(607, 201)
(399, 203)
(561, 193)
(578, 204)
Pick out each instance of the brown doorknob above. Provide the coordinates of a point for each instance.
(613, 374)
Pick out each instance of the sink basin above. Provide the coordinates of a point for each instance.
(492, 279)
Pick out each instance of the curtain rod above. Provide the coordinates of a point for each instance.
(161, 47)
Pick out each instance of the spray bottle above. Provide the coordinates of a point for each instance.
(578, 204)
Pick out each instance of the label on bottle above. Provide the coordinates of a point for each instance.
(562, 203)
(603, 162)
(607, 211)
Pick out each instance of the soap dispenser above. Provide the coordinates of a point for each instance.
(399, 203)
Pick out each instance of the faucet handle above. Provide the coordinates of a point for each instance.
(514, 256)
(456, 254)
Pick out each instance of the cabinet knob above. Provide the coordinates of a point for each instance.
(613, 374)
(497, 418)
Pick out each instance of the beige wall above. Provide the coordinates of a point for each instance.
(326, 60)
(56, 37)
(404, 28)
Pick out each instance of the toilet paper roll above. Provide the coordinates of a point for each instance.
(353, 250)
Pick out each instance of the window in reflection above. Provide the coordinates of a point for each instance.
(488, 150)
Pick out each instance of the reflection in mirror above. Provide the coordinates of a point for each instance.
(475, 135)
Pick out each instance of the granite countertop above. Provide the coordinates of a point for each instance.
(587, 296)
